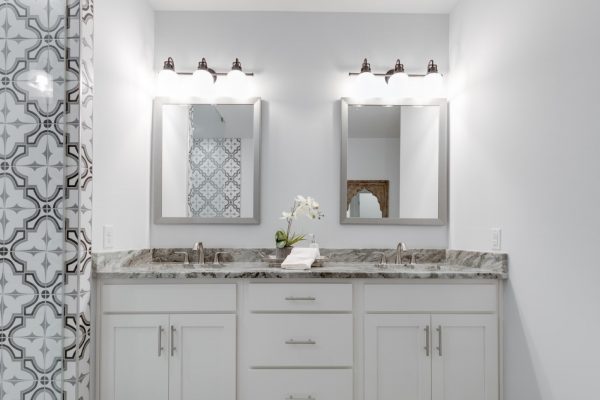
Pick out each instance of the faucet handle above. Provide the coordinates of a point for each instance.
(216, 260)
(383, 257)
(186, 259)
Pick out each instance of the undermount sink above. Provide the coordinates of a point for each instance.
(189, 265)
(420, 267)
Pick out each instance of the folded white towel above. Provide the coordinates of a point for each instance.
(300, 258)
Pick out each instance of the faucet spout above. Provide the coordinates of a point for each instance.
(199, 250)
(399, 250)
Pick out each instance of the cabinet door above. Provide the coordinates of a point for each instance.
(134, 359)
(397, 357)
(465, 357)
(203, 357)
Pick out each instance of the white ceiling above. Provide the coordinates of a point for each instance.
(374, 6)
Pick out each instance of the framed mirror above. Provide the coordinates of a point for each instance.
(394, 162)
(206, 161)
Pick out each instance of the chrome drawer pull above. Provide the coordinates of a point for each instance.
(439, 347)
(160, 346)
(292, 341)
(308, 298)
(300, 398)
(172, 341)
(427, 341)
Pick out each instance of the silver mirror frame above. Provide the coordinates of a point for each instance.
(157, 161)
(442, 218)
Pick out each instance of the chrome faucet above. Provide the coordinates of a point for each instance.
(399, 249)
(199, 250)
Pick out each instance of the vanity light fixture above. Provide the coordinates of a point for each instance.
(398, 83)
(366, 81)
(236, 75)
(396, 72)
(397, 80)
(432, 68)
(433, 81)
(167, 78)
(203, 78)
(203, 72)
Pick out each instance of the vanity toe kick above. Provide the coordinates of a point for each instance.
(312, 384)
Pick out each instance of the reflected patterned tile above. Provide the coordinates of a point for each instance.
(16, 21)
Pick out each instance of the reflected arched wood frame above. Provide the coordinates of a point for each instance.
(379, 189)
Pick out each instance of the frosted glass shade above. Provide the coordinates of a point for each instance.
(203, 83)
(168, 83)
(237, 84)
(399, 85)
(433, 85)
(366, 85)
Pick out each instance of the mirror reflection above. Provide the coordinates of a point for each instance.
(393, 161)
(208, 161)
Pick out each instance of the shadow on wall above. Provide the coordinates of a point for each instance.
(520, 383)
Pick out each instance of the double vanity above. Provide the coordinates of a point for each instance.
(352, 329)
(370, 324)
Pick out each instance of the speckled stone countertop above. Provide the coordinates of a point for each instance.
(343, 264)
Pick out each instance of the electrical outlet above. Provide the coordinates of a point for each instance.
(496, 239)
(108, 236)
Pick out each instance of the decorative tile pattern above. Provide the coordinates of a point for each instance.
(214, 177)
(46, 81)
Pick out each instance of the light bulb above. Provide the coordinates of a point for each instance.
(203, 82)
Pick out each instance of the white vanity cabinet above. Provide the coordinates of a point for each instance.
(305, 339)
(440, 343)
(298, 342)
(175, 342)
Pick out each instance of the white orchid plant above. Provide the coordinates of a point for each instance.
(302, 206)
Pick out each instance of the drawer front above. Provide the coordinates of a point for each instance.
(169, 298)
(431, 298)
(285, 297)
(298, 385)
(300, 340)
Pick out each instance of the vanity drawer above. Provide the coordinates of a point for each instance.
(169, 298)
(431, 298)
(298, 385)
(300, 340)
(290, 297)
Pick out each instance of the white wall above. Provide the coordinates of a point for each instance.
(175, 148)
(124, 80)
(525, 142)
(419, 162)
(301, 62)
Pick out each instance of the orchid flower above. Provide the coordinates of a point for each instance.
(302, 206)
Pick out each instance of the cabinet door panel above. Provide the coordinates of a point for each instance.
(397, 363)
(203, 360)
(132, 366)
(466, 366)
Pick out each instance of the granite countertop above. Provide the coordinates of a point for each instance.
(344, 264)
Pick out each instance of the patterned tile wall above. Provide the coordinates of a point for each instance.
(46, 85)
